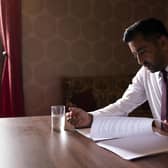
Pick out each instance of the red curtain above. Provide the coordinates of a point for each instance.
(11, 98)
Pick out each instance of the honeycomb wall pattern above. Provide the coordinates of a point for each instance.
(75, 38)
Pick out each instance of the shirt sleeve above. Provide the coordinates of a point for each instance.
(132, 98)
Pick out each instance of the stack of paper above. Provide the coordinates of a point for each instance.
(129, 137)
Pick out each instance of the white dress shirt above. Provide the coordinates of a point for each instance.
(146, 86)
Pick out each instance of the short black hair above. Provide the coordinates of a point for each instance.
(148, 28)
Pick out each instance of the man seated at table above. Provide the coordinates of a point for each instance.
(148, 41)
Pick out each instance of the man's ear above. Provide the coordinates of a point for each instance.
(163, 42)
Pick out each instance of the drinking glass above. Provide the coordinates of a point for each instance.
(57, 117)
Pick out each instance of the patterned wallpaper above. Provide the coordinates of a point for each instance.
(67, 38)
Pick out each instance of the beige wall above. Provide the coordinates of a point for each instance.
(65, 38)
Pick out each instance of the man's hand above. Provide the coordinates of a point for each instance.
(79, 118)
(160, 127)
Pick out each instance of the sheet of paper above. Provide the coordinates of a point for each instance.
(109, 127)
(136, 146)
(85, 132)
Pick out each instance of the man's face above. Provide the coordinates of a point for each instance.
(148, 53)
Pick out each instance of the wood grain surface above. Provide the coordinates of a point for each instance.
(28, 142)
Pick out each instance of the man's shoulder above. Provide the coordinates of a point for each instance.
(145, 73)
(142, 74)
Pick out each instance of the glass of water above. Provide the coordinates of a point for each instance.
(57, 117)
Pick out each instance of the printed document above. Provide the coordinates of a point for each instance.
(128, 137)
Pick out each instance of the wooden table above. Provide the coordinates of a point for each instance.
(28, 142)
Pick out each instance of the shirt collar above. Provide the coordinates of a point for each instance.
(160, 73)
(166, 69)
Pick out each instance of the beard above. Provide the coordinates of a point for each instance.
(154, 67)
(158, 63)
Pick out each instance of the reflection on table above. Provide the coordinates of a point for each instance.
(28, 142)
